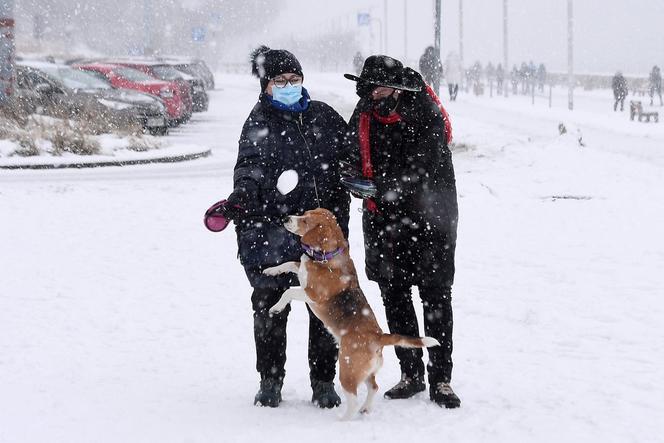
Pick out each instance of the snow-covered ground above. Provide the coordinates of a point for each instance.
(123, 320)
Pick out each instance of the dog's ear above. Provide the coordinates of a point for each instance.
(324, 212)
(313, 236)
(322, 237)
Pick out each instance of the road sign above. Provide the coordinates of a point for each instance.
(363, 19)
(6, 50)
(198, 34)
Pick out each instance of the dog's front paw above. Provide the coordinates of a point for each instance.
(277, 308)
(274, 270)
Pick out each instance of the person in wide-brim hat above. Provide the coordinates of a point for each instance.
(399, 162)
(382, 70)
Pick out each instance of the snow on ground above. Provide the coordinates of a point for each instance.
(123, 319)
(115, 148)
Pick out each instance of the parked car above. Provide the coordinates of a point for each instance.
(62, 91)
(195, 86)
(128, 78)
(195, 67)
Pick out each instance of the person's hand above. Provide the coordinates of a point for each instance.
(231, 209)
(347, 169)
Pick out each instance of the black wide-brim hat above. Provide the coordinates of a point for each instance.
(383, 70)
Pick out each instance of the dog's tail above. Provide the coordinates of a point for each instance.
(407, 342)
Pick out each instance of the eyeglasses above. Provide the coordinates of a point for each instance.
(280, 82)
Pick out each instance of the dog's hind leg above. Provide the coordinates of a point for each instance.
(372, 388)
(351, 404)
(284, 268)
(288, 295)
(370, 382)
(349, 378)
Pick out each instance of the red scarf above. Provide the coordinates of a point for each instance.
(365, 142)
(365, 153)
(446, 116)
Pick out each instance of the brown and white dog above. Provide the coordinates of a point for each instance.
(330, 287)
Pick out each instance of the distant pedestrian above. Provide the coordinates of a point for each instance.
(490, 73)
(656, 84)
(619, 85)
(541, 77)
(453, 74)
(515, 76)
(468, 76)
(524, 77)
(358, 61)
(476, 76)
(532, 76)
(431, 68)
(500, 78)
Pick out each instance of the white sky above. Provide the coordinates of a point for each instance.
(609, 34)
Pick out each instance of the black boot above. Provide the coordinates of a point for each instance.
(406, 388)
(442, 394)
(269, 393)
(324, 395)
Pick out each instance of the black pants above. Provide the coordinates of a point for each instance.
(619, 99)
(438, 323)
(453, 90)
(270, 337)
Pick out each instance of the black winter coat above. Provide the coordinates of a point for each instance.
(619, 85)
(431, 67)
(411, 239)
(274, 141)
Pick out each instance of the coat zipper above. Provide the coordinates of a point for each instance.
(300, 125)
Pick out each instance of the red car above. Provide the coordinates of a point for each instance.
(128, 78)
(167, 73)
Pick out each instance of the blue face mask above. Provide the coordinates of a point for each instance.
(287, 95)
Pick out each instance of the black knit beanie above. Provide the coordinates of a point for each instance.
(267, 63)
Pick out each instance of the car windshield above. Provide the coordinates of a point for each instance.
(166, 73)
(133, 75)
(75, 78)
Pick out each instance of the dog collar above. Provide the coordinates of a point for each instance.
(320, 256)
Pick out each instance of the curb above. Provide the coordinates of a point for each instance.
(80, 165)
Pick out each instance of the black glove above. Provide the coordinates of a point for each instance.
(233, 209)
(347, 169)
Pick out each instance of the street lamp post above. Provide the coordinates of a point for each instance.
(570, 55)
(385, 25)
(461, 31)
(436, 42)
(380, 32)
(405, 31)
(436, 21)
(506, 68)
(147, 27)
(6, 50)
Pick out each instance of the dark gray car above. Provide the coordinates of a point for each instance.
(65, 92)
(194, 67)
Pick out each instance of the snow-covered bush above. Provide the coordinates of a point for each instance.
(67, 137)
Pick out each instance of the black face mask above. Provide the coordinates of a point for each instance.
(385, 105)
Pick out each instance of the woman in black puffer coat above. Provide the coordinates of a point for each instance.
(399, 139)
(285, 131)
